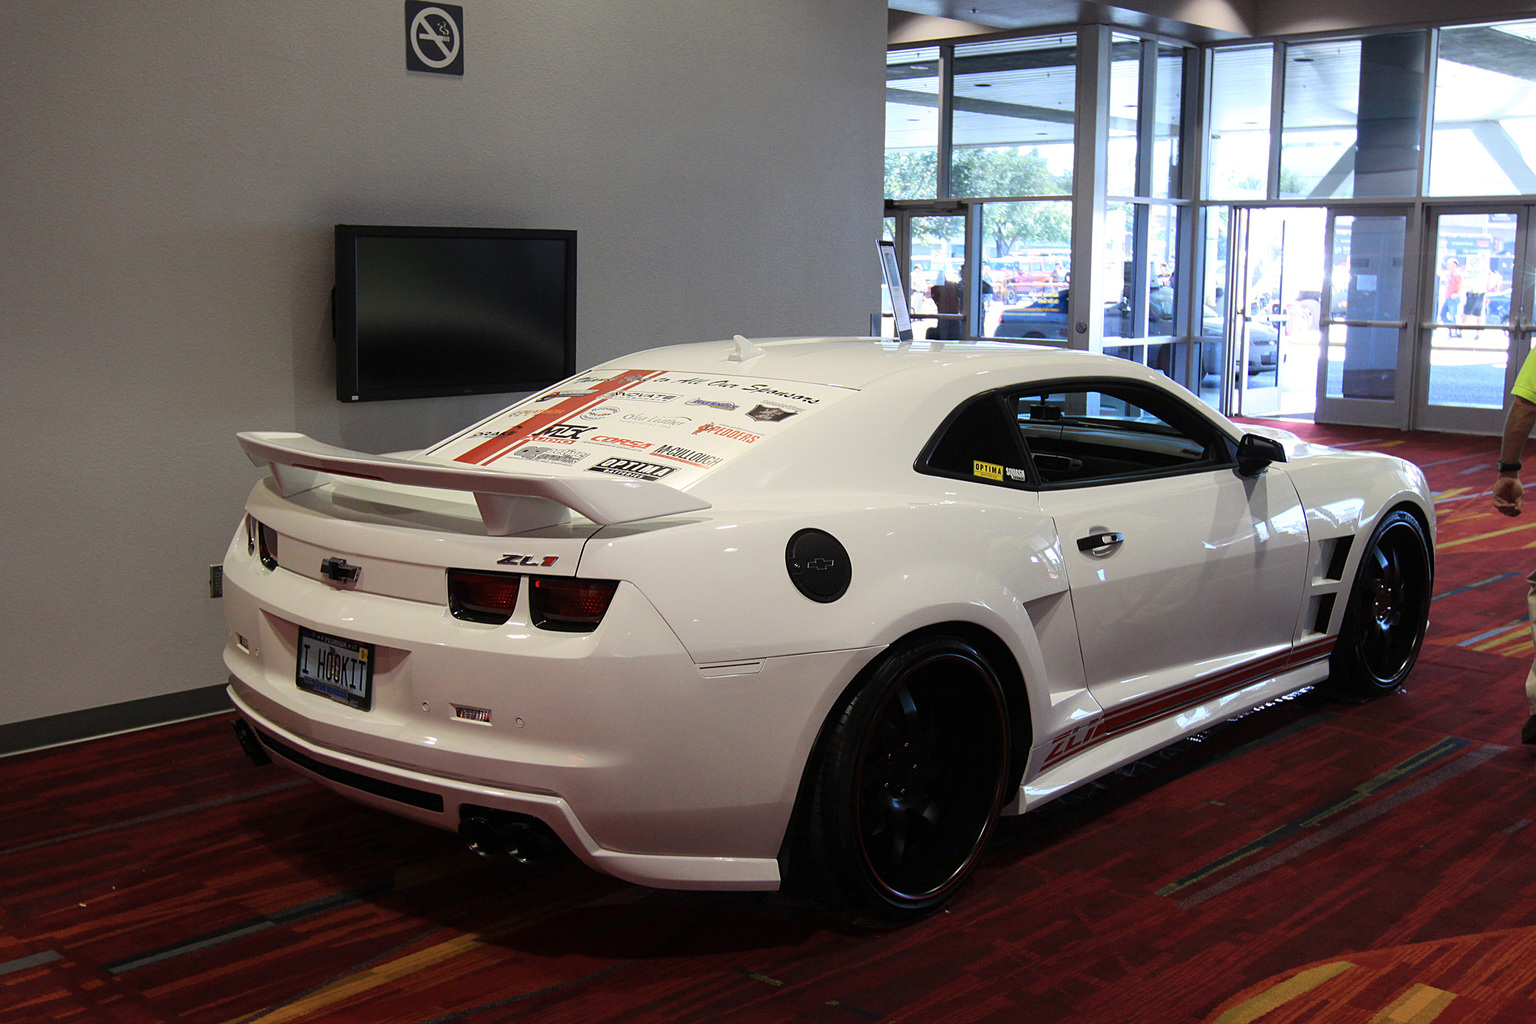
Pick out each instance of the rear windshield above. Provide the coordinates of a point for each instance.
(639, 424)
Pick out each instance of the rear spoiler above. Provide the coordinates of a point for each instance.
(509, 502)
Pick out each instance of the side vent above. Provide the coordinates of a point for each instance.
(1339, 558)
(1324, 613)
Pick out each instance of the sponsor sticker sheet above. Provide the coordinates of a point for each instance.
(657, 425)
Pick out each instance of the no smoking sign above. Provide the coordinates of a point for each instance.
(434, 37)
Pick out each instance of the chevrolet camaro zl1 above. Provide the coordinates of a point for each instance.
(741, 615)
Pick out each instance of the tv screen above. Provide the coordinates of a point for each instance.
(424, 312)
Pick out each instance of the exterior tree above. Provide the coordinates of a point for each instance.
(1000, 172)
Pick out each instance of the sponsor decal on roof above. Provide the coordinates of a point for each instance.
(720, 430)
(633, 468)
(561, 456)
(574, 427)
(644, 396)
(681, 454)
(621, 442)
(659, 421)
(770, 413)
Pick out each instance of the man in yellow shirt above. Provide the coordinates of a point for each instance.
(1508, 493)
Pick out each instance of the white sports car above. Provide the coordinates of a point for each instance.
(811, 611)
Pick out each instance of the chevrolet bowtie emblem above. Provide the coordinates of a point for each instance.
(338, 571)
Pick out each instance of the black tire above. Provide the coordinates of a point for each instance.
(1388, 611)
(909, 779)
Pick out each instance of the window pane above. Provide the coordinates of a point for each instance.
(1092, 435)
(1484, 138)
(1240, 105)
(1213, 325)
(938, 253)
(981, 445)
(1322, 87)
(1352, 117)
(1152, 287)
(1124, 104)
(1366, 284)
(1027, 259)
(1015, 108)
(1469, 344)
(912, 124)
(1166, 120)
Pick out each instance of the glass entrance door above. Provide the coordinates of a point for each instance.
(1274, 291)
(931, 245)
(1476, 322)
(1365, 367)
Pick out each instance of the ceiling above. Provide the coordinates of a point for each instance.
(1191, 20)
(1194, 20)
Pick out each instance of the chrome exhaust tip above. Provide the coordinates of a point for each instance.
(502, 836)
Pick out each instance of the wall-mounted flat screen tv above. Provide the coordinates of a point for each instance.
(426, 311)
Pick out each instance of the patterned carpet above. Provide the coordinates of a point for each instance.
(1314, 861)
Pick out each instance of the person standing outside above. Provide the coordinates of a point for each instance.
(1509, 493)
(1473, 285)
(946, 299)
(1450, 307)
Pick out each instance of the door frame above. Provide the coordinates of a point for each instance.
(903, 212)
(1467, 419)
(1397, 412)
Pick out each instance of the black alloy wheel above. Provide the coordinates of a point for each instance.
(1388, 611)
(911, 778)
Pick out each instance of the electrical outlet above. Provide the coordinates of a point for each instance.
(215, 581)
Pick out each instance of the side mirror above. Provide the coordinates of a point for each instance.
(1255, 453)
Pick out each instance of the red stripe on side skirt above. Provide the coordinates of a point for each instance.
(1161, 705)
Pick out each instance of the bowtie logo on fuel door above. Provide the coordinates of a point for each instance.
(818, 565)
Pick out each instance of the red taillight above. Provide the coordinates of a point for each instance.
(569, 605)
(482, 596)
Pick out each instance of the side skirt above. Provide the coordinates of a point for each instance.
(1126, 734)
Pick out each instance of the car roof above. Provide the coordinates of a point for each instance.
(835, 412)
(861, 362)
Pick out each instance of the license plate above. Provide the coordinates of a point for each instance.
(336, 667)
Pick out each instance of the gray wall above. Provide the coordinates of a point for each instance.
(169, 174)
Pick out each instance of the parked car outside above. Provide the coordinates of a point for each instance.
(1047, 318)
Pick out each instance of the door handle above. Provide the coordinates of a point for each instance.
(1099, 540)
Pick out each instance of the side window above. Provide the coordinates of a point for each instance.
(1101, 432)
(978, 443)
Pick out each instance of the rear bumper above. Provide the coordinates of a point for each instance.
(646, 765)
(437, 801)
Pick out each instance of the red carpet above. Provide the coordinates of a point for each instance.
(1314, 861)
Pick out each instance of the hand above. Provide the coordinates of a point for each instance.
(1507, 494)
